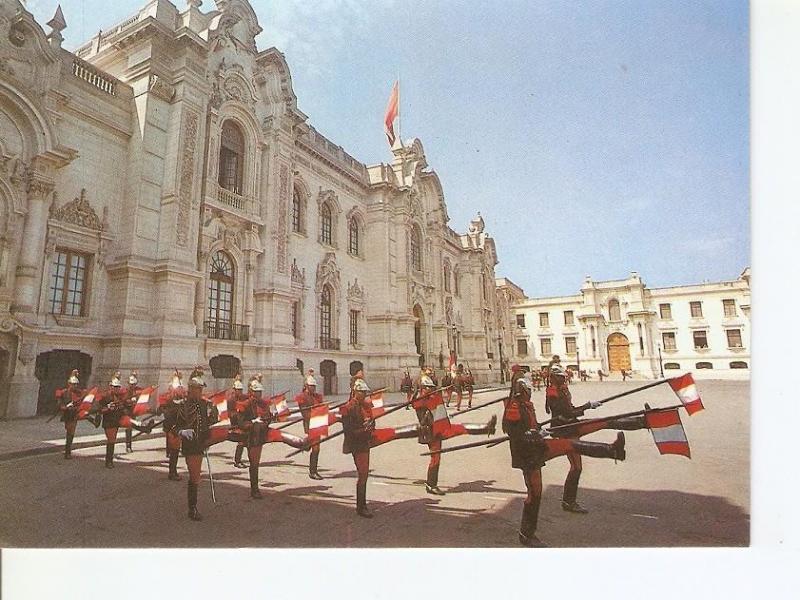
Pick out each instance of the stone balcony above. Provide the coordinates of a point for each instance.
(229, 201)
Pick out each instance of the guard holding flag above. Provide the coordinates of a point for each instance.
(169, 403)
(254, 417)
(307, 399)
(133, 392)
(235, 399)
(113, 406)
(358, 426)
(68, 400)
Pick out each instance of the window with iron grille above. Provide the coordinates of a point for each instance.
(325, 313)
(297, 211)
(666, 311)
(68, 283)
(354, 315)
(231, 157)
(729, 307)
(220, 291)
(696, 309)
(296, 319)
(416, 249)
(734, 338)
(354, 233)
(326, 218)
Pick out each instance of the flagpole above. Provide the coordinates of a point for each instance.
(399, 115)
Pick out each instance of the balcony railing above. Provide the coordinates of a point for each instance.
(220, 330)
(327, 343)
(233, 200)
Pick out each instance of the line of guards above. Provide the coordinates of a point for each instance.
(188, 416)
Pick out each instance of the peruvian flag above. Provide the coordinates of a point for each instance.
(318, 422)
(668, 433)
(452, 364)
(377, 404)
(392, 110)
(686, 391)
(220, 402)
(435, 404)
(280, 406)
(86, 403)
(142, 405)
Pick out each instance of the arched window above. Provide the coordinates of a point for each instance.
(416, 248)
(326, 224)
(220, 296)
(297, 211)
(613, 310)
(325, 316)
(446, 276)
(231, 157)
(455, 282)
(354, 236)
(672, 366)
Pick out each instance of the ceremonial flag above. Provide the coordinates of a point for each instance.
(377, 404)
(668, 433)
(220, 402)
(86, 403)
(318, 422)
(392, 110)
(435, 404)
(280, 406)
(142, 405)
(452, 364)
(686, 391)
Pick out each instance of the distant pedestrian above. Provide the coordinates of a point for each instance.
(600, 374)
(624, 374)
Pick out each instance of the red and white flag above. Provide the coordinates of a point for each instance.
(142, 406)
(220, 402)
(280, 407)
(318, 422)
(392, 110)
(377, 404)
(435, 404)
(86, 403)
(686, 390)
(668, 433)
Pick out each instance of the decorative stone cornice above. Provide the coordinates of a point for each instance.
(161, 89)
(79, 212)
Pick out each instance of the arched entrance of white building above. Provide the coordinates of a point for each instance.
(327, 368)
(52, 370)
(619, 352)
(419, 333)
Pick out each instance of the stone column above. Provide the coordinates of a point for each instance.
(33, 236)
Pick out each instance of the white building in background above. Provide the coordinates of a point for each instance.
(623, 324)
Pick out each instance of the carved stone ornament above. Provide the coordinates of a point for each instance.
(161, 89)
(79, 212)
(328, 271)
(355, 292)
(298, 276)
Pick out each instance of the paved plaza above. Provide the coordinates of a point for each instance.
(647, 500)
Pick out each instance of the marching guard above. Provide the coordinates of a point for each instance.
(133, 390)
(254, 416)
(113, 408)
(236, 398)
(358, 425)
(307, 399)
(68, 400)
(170, 402)
(407, 386)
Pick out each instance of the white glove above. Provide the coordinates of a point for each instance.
(257, 420)
(595, 403)
(68, 405)
(187, 434)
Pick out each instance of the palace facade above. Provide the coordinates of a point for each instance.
(164, 203)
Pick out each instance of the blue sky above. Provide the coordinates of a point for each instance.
(595, 137)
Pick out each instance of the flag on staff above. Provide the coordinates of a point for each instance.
(392, 110)
(435, 404)
(318, 422)
(668, 433)
(220, 402)
(142, 405)
(451, 366)
(686, 390)
(280, 406)
(377, 404)
(86, 403)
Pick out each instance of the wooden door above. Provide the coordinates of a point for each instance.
(619, 353)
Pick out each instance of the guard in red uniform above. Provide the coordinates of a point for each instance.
(467, 383)
(307, 399)
(132, 392)
(358, 426)
(193, 417)
(112, 407)
(69, 400)
(254, 417)
(530, 450)
(236, 398)
(169, 403)
(407, 386)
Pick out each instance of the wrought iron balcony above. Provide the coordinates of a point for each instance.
(220, 330)
(327, 343)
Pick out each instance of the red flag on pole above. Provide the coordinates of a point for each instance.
(392, 110)
(142, 405)
(220, 401)
(280, 407)
(318, 422)
(686, 391)
(86, 403)
(377, 404)
(668, 433)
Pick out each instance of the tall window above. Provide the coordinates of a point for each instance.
(296, 319)
(547, 347)
(220, 291)
(68, 284)
(325, 311)
(326, 225)
(446, 276)
(416, 249)
(354, 314)
(522, 347)
(354, 237)
(521, 320)
(666, 311)
(571, 344)
(734, 338)
(569, 317)
(231, 157)
(455, 283)
(613, 310)
(700, 340)
(729, 306)
(544, 319)
(696, 309)
(297, 211)
(668, 337)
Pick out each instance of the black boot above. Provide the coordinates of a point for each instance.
(527, 528)
(68, 446)
(568, 500)
(313, 463)
(128, 440)
(173, 466)
(432, 484)
(361, 501)
(96, 420)
(109, 456)
(488, 429)
(255, 494)
(599, 450)
(237, 457)
(194, 515)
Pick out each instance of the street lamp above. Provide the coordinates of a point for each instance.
(660, 361)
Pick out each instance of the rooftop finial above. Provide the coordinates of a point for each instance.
(58, 23)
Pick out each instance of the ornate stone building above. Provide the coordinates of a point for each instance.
(164, 202)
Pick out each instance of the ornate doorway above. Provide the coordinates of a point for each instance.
(327, 368)
(619, 353)
(52, 370)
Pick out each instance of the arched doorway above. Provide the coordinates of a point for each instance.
(419, 333)
(327, 368)
(52, 369)
(619, 353)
